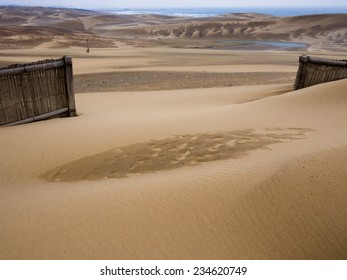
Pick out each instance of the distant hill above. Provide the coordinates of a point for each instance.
(38, 24)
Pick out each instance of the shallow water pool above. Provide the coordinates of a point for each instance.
(266, 43)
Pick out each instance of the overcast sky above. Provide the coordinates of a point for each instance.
(176, 3)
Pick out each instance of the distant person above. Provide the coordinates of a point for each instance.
(87, 45)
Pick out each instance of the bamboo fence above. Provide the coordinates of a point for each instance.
(313, 71)
(36, 91)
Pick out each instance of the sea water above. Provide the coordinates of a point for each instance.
(209, 12)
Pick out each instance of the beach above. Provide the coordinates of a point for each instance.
(179, 150)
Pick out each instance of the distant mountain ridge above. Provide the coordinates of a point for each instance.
(46, 24)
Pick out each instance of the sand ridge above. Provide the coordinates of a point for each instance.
(251, 207)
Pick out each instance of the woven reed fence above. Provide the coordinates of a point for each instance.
(313, 71)
(36, 91)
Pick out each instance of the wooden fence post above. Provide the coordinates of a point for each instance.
(69, 86)
(300, 75)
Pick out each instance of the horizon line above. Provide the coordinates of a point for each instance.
(174, 7)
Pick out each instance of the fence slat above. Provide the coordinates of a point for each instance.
(39, 118)
(323, 61)
(69, 86)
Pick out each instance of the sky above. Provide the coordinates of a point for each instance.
(175, 3)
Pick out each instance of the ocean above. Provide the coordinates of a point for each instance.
(208, 12)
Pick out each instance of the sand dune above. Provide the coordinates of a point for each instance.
(219, 176)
